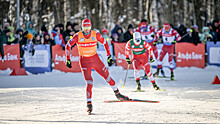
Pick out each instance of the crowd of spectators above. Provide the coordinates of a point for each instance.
(60, 35)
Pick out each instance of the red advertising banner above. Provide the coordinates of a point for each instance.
(11, 58)
(120, 55)
(189, 55)
(60, 58)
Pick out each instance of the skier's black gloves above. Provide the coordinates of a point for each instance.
(151, 59)
(110, 61)
(155, 43)
(68, 63)
(128, 61)
(174, 42)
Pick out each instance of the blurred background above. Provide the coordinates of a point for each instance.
(105, 13)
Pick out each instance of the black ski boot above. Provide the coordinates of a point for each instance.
(120, 97)
(155, 86)
(138, 85)
(89, 107)
(172, 76)
(156, 73)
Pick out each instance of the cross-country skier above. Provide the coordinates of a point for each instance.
(169, 36)
(148, 33)
(86, 41)
(140, 58)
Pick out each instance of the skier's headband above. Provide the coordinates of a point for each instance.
(166, 26)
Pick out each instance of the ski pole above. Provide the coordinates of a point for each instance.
(126, 76)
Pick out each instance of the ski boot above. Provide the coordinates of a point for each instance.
(89, 107)
(156, 73)
(138, 85)
(172, 76)
(155, 86)
(120, 97)
(162, 72)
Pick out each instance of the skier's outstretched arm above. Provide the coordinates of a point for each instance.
(69, 44)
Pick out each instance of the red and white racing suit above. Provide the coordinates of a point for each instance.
(89, 59)
(140, 60)
(148, 33)
(168, 38)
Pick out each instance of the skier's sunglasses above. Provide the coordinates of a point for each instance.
(86, 28)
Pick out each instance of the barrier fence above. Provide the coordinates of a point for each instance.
(187, 55)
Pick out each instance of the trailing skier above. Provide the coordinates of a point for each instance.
(169, 36)
(140, 58)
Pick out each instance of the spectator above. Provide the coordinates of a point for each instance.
(195, 35)
(118, 24)
(18, 34)
(105, 35)
(119, 31)
(38, 39)
(58, 38)
(43, 30)
(2, 41)
(216, 28)
(61, 27)
(66, 33)
(11, 38)
(114, 40)
(75, 27)
(212, 32)
(29, 47)
(189, 36)
(182, 32)
(30, 28)
(128, 34)
(6, 25)
(47, 39)
(205, 36)
(6, 34)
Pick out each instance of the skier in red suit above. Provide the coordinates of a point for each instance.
(86, 41)
(141, 50)
(169, 36)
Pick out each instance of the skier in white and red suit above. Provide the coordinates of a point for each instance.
(169, 37)
(148, 33)
(140, 58)
(86, 41)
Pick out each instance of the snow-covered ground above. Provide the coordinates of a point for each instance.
(59, 97)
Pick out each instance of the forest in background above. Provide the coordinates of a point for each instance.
(105, 13)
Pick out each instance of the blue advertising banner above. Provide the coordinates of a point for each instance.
(213, 51)
(40, 62)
